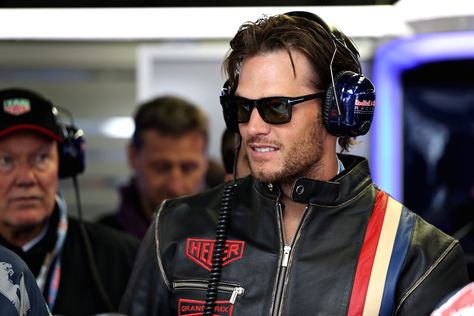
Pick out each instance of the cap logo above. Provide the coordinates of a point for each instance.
(16, 106)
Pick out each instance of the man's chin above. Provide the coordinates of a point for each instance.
(265, 176)
(26, 221)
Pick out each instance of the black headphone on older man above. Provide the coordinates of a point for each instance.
(23, 109)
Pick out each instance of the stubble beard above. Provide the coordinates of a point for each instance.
(301, 159)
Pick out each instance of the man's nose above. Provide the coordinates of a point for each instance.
(177, 183)
(256, 125)
(25, 175)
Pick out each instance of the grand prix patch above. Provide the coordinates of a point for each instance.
(196, 308)
(201, 250)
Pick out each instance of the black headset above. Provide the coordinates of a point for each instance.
(71, 148)
(229, 112)
(72, 151)
(349, 104)
(71, 163)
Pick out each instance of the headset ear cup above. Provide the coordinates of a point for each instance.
(356, 98)
(228, 109)
(230, 115)
(331, 118)
(328, 100)
(72, 152)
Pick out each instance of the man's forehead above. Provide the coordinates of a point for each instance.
(171, 159)
(34, 136)
(268, 74)
(156, 137)
(26, 141)
(156, 132)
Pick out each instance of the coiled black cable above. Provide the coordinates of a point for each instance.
(223, 223)
(219, 248)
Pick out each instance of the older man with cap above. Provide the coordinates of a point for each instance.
(82, 268)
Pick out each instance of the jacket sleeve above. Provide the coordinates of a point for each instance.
(19, 293)
(435, 268)
(147, 294)
(37, 303)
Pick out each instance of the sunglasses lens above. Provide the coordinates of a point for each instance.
(275, 111)
(244, 109)
(272, 110)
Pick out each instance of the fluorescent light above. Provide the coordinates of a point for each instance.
(180, 23)
(390, 61)
(416, 10)
(118, 127)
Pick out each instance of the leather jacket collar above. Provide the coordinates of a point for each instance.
(336, 191)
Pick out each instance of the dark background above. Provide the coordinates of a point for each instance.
(438, 142)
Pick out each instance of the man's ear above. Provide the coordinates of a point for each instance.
(132, 155)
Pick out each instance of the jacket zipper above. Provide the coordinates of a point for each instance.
(235, 289)
(285, 262)
(236, 292)
(281, 279)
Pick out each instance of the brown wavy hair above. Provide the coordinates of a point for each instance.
(293, 33)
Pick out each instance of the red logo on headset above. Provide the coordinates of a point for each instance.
(201, 250)
(365, 102)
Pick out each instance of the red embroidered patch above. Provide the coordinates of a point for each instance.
(196, 308)
(200, 251)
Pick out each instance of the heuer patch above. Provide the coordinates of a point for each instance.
(16, 106)
(188, 307)
(201, 250)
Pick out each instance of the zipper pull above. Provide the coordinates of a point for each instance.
(237, 291)
(286, 256)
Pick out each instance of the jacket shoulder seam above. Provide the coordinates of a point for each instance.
(426, 274)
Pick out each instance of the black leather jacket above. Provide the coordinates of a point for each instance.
(261, 276)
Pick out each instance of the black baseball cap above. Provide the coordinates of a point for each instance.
(22, 109)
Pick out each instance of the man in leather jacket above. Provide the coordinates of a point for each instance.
(308, 233)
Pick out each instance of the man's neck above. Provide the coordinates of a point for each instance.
(292, 215)
(293, 211)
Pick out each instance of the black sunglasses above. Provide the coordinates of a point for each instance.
(273, 110)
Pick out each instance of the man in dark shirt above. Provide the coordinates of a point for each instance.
(167, 154)
(82, 268)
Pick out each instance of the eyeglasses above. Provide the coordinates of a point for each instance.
(273, 110)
